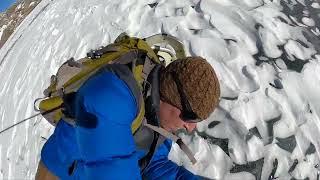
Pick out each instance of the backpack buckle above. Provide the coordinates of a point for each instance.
(94, 54)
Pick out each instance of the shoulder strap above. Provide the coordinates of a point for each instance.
(152, 96)
(152, 101)
(175, 139)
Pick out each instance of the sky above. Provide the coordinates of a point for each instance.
(4, 4)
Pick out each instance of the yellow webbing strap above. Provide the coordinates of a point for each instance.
(90, 66)
(48, 104)
(138, 121)
(141, 44)
(137, 72)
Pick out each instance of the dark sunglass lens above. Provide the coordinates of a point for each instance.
(189, 116)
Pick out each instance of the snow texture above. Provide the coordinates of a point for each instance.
(265, 53)
(2, 28)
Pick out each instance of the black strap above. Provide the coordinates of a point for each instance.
(152, 102)
(72, 168)
(141, 57)
(69, 104)
(152, 99)
(144, 162)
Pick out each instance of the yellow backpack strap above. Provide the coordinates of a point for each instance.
(139, 119)
(138, 44)
(49, 104)
(123, 51)
(127, 49)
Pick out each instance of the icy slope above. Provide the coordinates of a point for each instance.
(13, 16)
(266, 55)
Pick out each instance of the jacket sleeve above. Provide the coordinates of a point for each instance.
(60, 150)
(101, 142)
(161, 168)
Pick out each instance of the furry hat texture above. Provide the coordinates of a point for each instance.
(199, 83)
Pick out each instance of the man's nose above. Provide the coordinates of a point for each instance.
(190, 126)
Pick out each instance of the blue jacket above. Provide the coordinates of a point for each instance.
(101, 145)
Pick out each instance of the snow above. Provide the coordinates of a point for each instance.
(19, 7)
(294, 48)
(31, 4)
(315, 5)
(308, 21)
(270, 104)
(2, 29)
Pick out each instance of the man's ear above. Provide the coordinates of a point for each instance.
(170, 108)
(176, 111)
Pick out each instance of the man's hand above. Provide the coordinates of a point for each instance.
(43, 173)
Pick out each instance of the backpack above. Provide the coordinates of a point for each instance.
(141, 55)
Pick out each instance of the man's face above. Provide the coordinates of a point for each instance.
(170, 120)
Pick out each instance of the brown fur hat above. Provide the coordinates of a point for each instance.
(199, 83)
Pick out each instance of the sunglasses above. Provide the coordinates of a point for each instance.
(187, 113)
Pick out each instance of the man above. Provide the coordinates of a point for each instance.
(101, 145)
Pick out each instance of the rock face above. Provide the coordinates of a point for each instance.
(13, 16)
